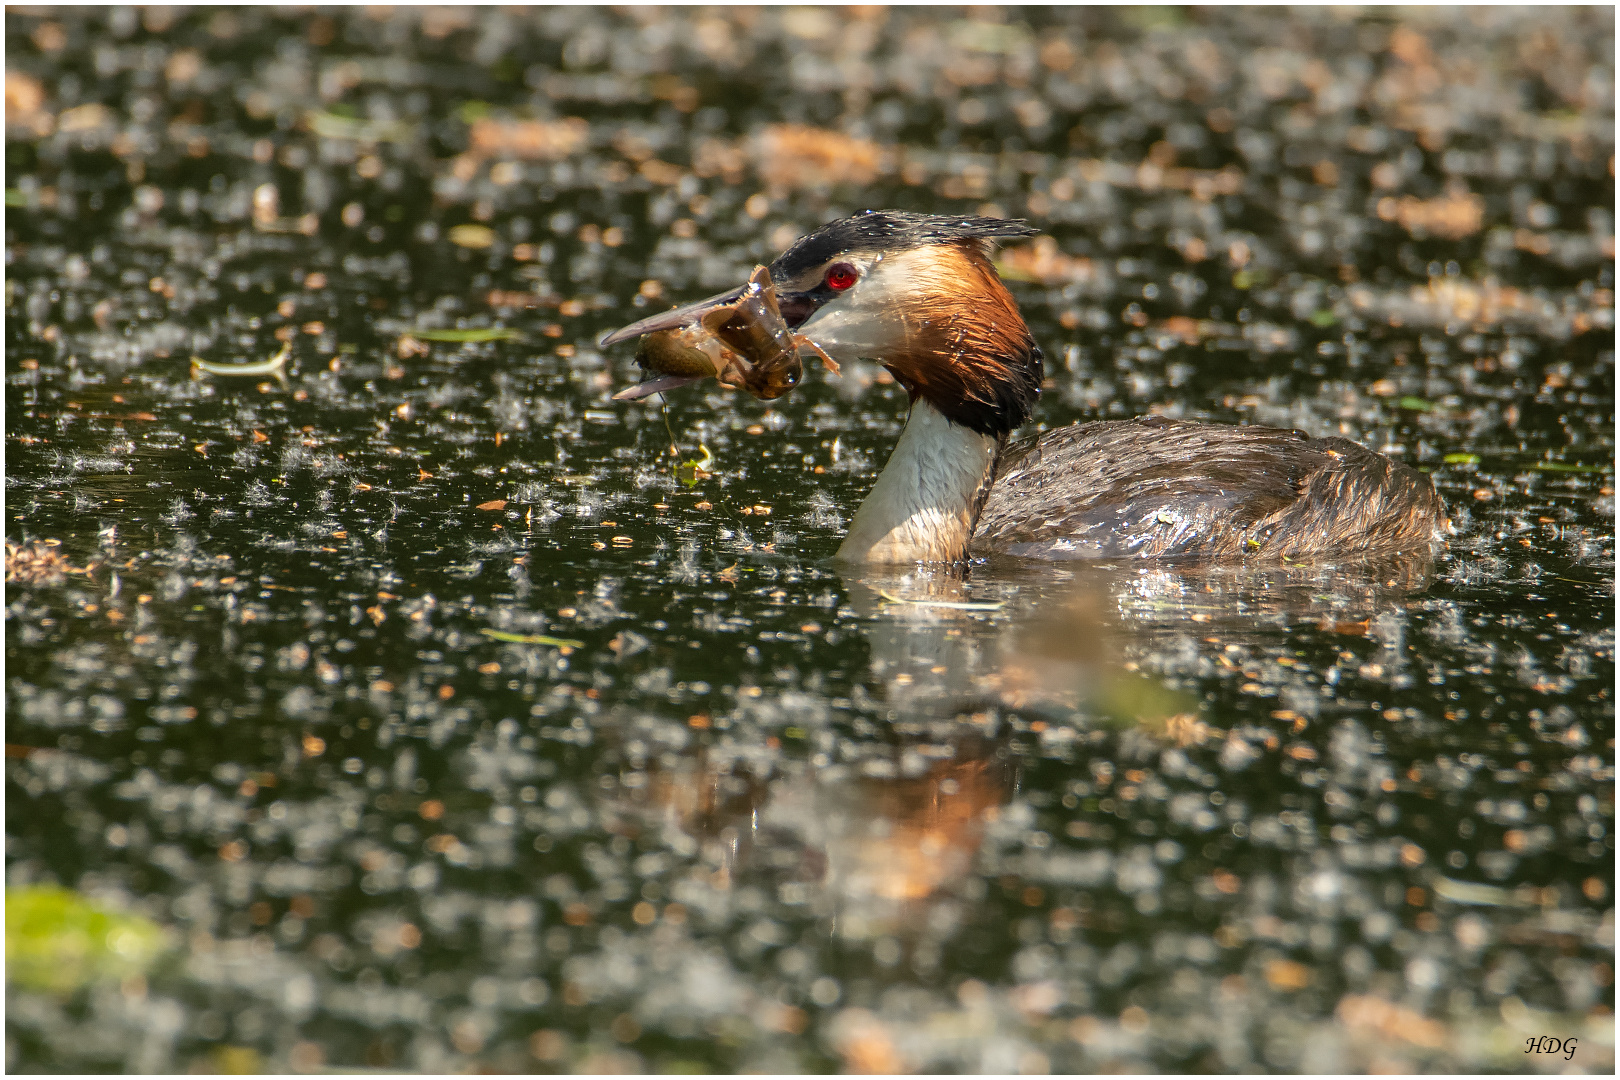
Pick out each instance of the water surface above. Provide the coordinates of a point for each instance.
(445, 716)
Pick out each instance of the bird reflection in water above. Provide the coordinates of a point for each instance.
(968, 678)
(830, 835)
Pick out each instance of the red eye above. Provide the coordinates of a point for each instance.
(840, 276)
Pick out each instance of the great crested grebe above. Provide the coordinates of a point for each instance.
(918, 294)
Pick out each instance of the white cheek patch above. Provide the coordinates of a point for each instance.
(849, 333)
(869, 320)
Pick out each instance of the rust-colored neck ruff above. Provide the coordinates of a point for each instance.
(965, 349)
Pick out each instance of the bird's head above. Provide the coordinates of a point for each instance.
(916, 293)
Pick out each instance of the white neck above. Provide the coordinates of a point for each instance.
(921, 508)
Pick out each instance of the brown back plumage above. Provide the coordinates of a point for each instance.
(1154, 487)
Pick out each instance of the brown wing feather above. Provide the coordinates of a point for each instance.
(1154, 487)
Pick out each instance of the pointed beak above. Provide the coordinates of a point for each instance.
(670, 320)
(656, 385)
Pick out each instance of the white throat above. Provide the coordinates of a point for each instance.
(921, 508)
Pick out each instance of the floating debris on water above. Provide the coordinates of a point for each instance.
(272, 366)
(692, 807)
(532, 639)
(474, 334)
(39, 563)
(59, 941)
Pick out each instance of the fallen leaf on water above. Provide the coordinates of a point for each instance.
(272, 366)
(1287, 975)
(25, 101)
(472, 236)
(689, 472)
(532, 139)
(1451, 217)
(58, 940)
(795, 156)
(1559, 466)
(1475, 894)
(236, 1061)
(37, 564)
(531, 639)
(85, 118)
(1043, 263)
(330, 125)
(486, 333)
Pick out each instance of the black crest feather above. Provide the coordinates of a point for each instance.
(889, 230)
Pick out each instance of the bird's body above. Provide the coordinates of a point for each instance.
(1156, 487)
(918, 293)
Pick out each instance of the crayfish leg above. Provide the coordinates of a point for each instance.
(802, 342)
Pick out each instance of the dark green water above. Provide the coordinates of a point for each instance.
(758, 816)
